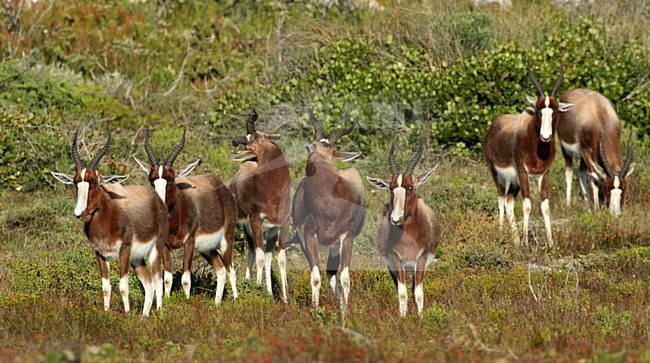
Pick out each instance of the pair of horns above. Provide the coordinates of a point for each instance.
(335, 135)
(78, 163)
(414, 160)
(250, 129)
(153, 160)
(538, 88)
(607, 168)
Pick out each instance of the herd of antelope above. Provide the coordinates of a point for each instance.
(140, 225)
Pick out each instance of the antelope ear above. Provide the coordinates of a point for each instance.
(114, 179)
(188, 169)
(274, 137)
(63, 178)
(531, 100)
(378, 183)
(564, 107)
(243, 155)
(346, 156)
(530, 111)
(629, 172)
(146, 168)
(423, 179)
(599, 171)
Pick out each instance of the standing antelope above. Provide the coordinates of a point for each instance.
(125, 223)
(329, 210)
(201, 218)
(521, 146)
(262, 191)
(408, 235)
(591, 131)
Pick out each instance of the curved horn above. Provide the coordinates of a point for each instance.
(100, 154)
(391, 158)
(415, 159)
(250, 122)
(316, 125)
(603, 159)
(341, 132)
(628, 160)
(559, 80)
(176, 150)
(78, 163)
(538, 88)
(153, 160)
(239, 140)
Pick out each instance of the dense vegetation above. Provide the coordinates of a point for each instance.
(436, 70)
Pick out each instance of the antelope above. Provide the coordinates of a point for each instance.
(125, 223)
(592, 132)
(518, 147)
(329, 210)
(408, 235)
(262, 190)
(201, 218)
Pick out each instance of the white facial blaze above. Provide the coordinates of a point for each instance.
(547, 120)
(399, 198)
(615, 198)
(160, 184)
(82, 195)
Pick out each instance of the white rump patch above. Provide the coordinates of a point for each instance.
(507, 175)
(206, 243)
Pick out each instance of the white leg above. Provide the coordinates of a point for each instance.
(568, 176)
(510, 212)
(148, 295)
(259, 263)
(502, 202)
(168, 277)
(233, 282)
(403, 298)
(186, 281)
(582, 175)
(106, 292)
(345, 284)
(546, 212)
(124, 292)
(419, 298)
(251, 260)
(221, 283)
(315, 287)
(268, 258)
(594, 189)
(526, 207)
(282, 263)
(157, 279)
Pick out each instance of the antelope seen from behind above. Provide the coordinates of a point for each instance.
(591, 131)
(518, 147)
(329, 210)
(124, 223)
(201, 218)
(408, 235)
(262, 190)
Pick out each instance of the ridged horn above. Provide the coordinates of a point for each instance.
(239, 140)
(603, 159)
(176, 150)
(391, 157)
(628, 160)
(538, 88)
(78, 163)
(153, 160)
(250, 122)
(415, 159)
(341, 132)
(559, 80)
(100, 154)
(316, 125)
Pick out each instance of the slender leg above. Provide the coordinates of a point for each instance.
(188, 255)
(582, 175)
(125, 257)
(402, 295)
(346, 254)
(225, 250)
(525, 194)
(333, 263)
(144, 276)
(168, 274)
(218, 264)
(546, 210)
(268, 256)
(104, 268)
(311, 249)
(568, 175)
(251, 249)
(418, 291)
(154, 262)
(282, 257)
(258, 239)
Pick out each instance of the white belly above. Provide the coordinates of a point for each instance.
(140, 250)
(113, 253)
(206, 243)
(507, 175)
(572, 150)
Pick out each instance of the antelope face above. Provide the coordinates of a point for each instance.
(255, 145)
(162, 178)
(615, 191)
(546, 110)
(402, 198)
